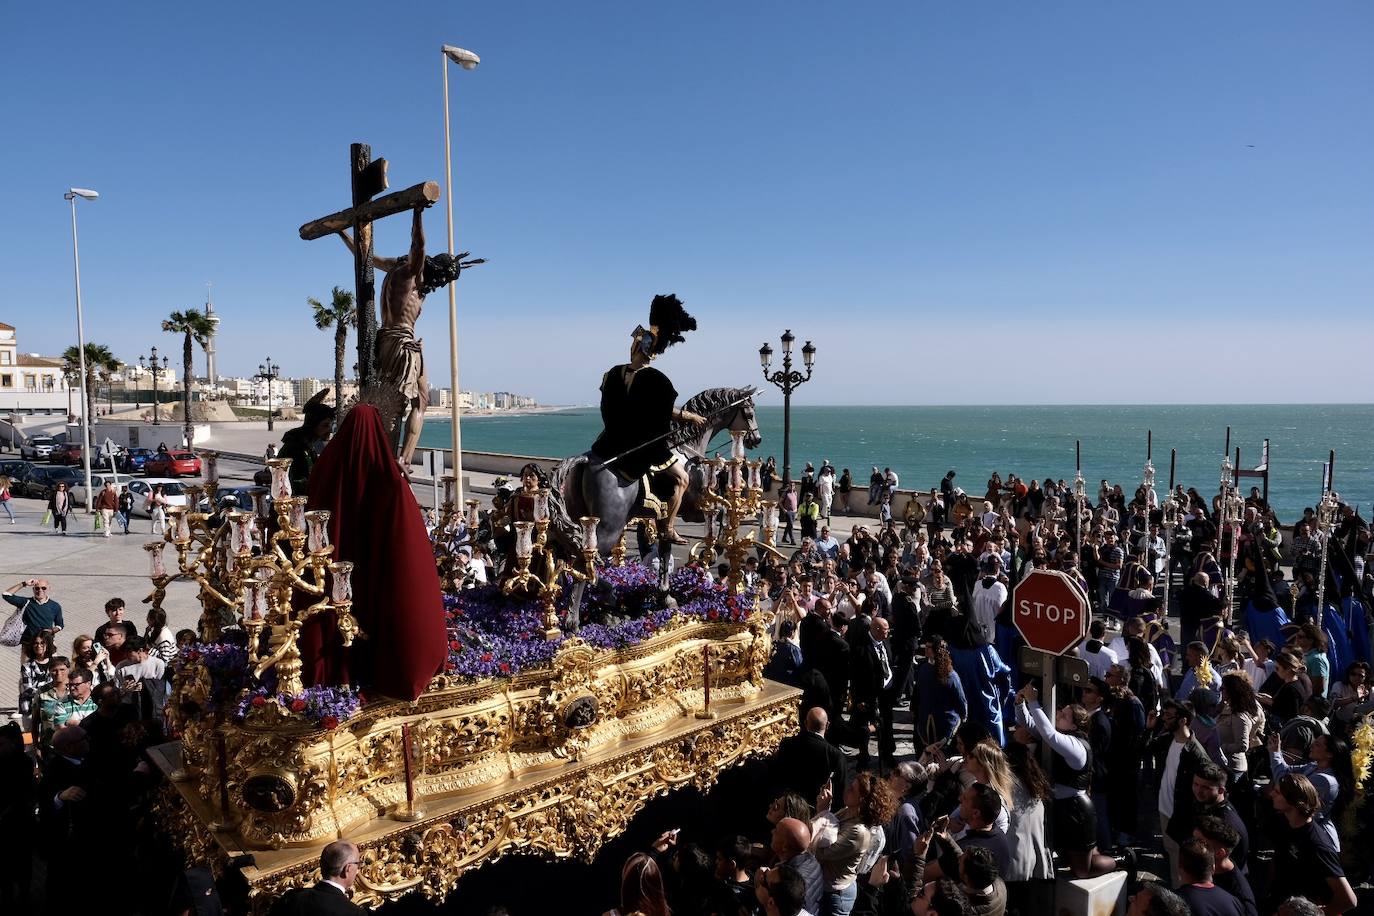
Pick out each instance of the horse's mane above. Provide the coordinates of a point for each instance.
(706, 403)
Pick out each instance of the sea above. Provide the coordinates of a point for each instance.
(922, 443)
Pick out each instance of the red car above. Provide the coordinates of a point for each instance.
(172, 464)
(69, 453)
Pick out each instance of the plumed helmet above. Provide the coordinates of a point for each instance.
(668, 321)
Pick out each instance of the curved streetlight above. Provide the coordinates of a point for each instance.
(71, 195)
(788, 380)
(468, 61)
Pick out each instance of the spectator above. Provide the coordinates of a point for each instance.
(1220, 840)
(1306, 862)
(40, 611)
(114, 610)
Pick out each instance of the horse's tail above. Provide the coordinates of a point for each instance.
(561, 522)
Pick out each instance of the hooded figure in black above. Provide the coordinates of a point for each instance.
(637, 409)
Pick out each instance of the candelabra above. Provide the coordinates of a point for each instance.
(1327, 512)
(742, 499)
(546, 584)
(1232, 510)
(453, 531)
(258, 589)
(1172, 518)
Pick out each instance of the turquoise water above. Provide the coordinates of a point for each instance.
(922, 443)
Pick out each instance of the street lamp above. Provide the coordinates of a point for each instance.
(71, 195)
(268, 372)
(150, 363)
(468, 61)
(788, 379)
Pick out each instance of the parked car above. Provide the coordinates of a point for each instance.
(234, 499)
(97, 484)
(133, 459)
(67, 453)
(141, 487)
(14, 469)
(37, 447)
(172, 464)
(43, 479)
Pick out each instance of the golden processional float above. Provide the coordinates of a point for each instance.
(530, 740)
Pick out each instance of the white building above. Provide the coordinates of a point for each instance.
(32, 384)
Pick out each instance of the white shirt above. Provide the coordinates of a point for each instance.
(987, 604)
(1166, 785)
(1099, 661)
(1118, 646)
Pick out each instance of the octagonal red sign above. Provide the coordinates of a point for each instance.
(1050, 611)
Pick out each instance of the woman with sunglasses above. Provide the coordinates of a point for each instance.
(60, 506)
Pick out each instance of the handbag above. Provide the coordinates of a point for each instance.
(47, 518)
(99, 521)
(12, 633)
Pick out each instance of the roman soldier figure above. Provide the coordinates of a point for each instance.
(638, 408)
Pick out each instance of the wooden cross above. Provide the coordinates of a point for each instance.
(369, 179)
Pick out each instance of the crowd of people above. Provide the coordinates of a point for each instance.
(74, 777)
(1217, 745)
(1223, 769)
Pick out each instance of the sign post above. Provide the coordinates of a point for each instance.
(434, 463)
(1051, 613)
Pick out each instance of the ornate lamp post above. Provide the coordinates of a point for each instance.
(150, 363)
(71, 196)
(1232, 510)
(268, 372)
(1173, 517)
(788, 380)
(1327, 512)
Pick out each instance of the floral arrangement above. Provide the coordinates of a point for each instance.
(226, 662)
(491, 635)
(326, 707)
(1362, 756)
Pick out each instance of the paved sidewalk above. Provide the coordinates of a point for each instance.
(84, 569)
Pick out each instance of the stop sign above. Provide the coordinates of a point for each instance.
(1051, 611)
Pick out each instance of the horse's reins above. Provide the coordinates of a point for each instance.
(672, 432)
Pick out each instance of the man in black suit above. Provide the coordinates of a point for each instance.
(905, 615)
(805, 761)
(69, 800)
(874, 690)
(339, 864)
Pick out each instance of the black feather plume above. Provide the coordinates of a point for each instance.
(667, 314)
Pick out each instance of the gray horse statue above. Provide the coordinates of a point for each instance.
(589, 487)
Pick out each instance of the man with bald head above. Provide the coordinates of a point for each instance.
(804, 762)
(791, 838)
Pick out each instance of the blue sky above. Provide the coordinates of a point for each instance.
(959, 203)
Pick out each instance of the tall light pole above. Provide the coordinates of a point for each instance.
(71, 195)
(150, 363)
(788, 380)
(269, 372)
(468, 61)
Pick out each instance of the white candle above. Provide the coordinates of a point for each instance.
(737, 443)
(281, 480)
(343, 581)
(524, 546)
(734, 476)
(156, 567)
(541, 505)
(318, 522)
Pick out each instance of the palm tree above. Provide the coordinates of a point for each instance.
(341, 314)
(195, 327)
(98, 359)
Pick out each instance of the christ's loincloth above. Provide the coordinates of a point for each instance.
(401, 363)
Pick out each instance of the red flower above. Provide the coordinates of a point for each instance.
(486, 656)
(713, 614)
(330, 722)
(298, 705)
(259, 702)
(455, 645)
(505, 668)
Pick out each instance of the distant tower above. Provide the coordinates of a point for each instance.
(211, 375)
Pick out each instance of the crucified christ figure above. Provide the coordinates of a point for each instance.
(400, 360)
